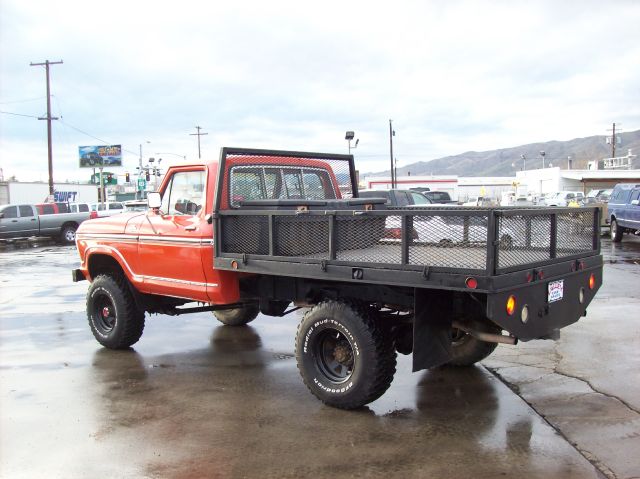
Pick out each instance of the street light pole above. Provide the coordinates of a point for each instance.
(542, 154)
(391, 135)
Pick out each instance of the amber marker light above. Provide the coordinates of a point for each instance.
(592, 281)
(511, 305)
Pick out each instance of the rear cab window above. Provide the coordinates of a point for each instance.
(276, 183)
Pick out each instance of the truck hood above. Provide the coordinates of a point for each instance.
(115, 224)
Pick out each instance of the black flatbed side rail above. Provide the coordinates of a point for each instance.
(417, 247)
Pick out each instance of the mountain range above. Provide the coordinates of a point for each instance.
(505, 161)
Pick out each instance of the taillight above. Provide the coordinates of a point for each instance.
(471, 283)
(592, 281)
(511, 305)
(93, 215)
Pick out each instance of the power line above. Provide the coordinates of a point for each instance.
(20, 101)
(17, 114)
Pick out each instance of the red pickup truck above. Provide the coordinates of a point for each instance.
(274, 231)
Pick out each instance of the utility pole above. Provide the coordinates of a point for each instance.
(198, 134)
(391, 135)
(613, 141)
(48, 118)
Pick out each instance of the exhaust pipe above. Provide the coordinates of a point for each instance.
(487, 337)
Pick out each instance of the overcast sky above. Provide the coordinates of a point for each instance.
(453, 76)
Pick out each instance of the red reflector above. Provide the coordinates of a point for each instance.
(540, 274)
(592, 281)
(529, 277)
(511, 305)
(471, 283)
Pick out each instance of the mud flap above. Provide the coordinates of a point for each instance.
(431, 329)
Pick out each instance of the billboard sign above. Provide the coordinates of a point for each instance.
(97, 156)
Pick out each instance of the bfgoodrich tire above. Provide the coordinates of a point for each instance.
(467, 350)
(115, 320)
(342, 355)
(238, 316)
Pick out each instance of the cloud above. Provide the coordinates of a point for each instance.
(454, 76)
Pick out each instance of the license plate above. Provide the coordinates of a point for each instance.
(556, 290)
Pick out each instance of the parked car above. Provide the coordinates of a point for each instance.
(397, 197)
(107, 209)
(565, 198)
(439, 197)
(136, 205)
(479, 201)
(79, 207)
(623, 210)
(24, 221)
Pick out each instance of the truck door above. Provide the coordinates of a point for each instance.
(634, 209)
(28, 222)
(171, 242)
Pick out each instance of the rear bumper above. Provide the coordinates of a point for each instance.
(544, 317)
(77, 275)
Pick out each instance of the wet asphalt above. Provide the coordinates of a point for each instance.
(196, 399)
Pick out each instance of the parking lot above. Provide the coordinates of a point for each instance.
(196, 399)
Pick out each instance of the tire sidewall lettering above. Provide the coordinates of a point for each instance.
(308, 351)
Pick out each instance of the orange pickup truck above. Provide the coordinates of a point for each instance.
(270, 232)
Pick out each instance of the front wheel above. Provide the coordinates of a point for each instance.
(616, 232)
(114, 318)
(343, 357)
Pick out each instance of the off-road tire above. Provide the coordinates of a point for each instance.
(467, 350)
(616, 232)
(68, 234)
(114, 318)
(343, 356)
(238, 316)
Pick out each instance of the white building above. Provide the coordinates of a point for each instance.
(549, 180)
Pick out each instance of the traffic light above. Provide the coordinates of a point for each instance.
(126, 177)
(148, 176)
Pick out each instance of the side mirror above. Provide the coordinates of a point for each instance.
(154, 200)
(1, 215)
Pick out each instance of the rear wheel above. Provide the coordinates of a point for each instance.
(467, 350)
(238, 316)
(342, 355)
(616, 232)
(114, 318)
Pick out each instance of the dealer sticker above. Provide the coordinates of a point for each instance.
(556, 290)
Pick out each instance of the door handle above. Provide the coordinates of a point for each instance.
(33, 219)
(14, 221)
(190, 228)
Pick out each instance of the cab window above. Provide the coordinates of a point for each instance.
(184, 194)
(26, 211)
(10, 212)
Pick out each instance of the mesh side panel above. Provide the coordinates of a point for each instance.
(575, 233)
(367, 239)
(302, 236)
(245, 234)
(449, 241)
(523, 239)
